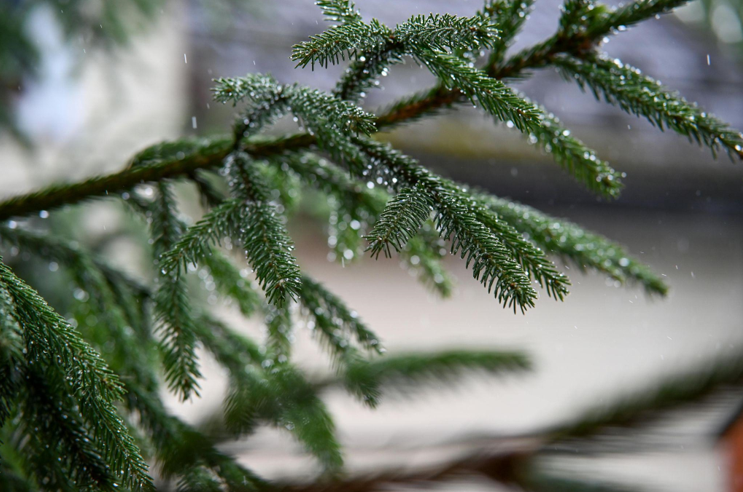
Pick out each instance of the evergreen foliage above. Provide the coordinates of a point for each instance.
(80, 403)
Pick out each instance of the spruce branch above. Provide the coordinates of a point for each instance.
(352, 204)
(55, 417)
(251, 219)
(489, 93)
(232, 350)
(641, 406)
(211, 153)
(624, 16)
(280, 337)
(210, 195)
(180, 448)
(509, 16)
(339, 42)
(583, 26)
(500, 239)
(626, 87)
(265, 389)
(531, 258)
(267, 245)
(176, 324)
(417, 106)
(339, 11)
(574, 157)
(363, 72)
(312, 105)
(11, 355)
(569, 241)
(52, 342)
(436, 32)
(457, 219)
(578, 42)
(403, 215)
(53, 248)
(254, 86)
(492, 262)
(515, 466)
(333, 121)
(334, 321)
(231, 282)
(283, 398)
(105, 292)
(442, 32)
(422, 253)
(369, 378)
(196, 242)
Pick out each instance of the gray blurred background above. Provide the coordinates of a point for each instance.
(89, 109)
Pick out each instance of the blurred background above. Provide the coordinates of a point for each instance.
(85, 84)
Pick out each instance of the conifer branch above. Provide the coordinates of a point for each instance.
(624, 16)
(412, 209)
(176, 324)
(400, 220)
(339, 42)
(231, 282)
(284, 399)
(457, 220)
(369, 378)
(334, 322)
(233, 351)
(637, 94)
(352, 204)
(339, 11)
(637, 407)
(11, 355)
(52, 342)
(71, 254)
(569, 241)
(54, 417)
(412, 108)
(279, 326)
(195, 244)
(254, 86)
(208, 192)
(509, 16)
(434, 32)
(211, 153)
(492, 263)
(531, 258)
(324, 176)
(487, 92)
(422, 252)
(265, 240)
(574, 157)
(180, 448)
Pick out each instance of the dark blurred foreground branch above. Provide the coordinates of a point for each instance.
(513, 460)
